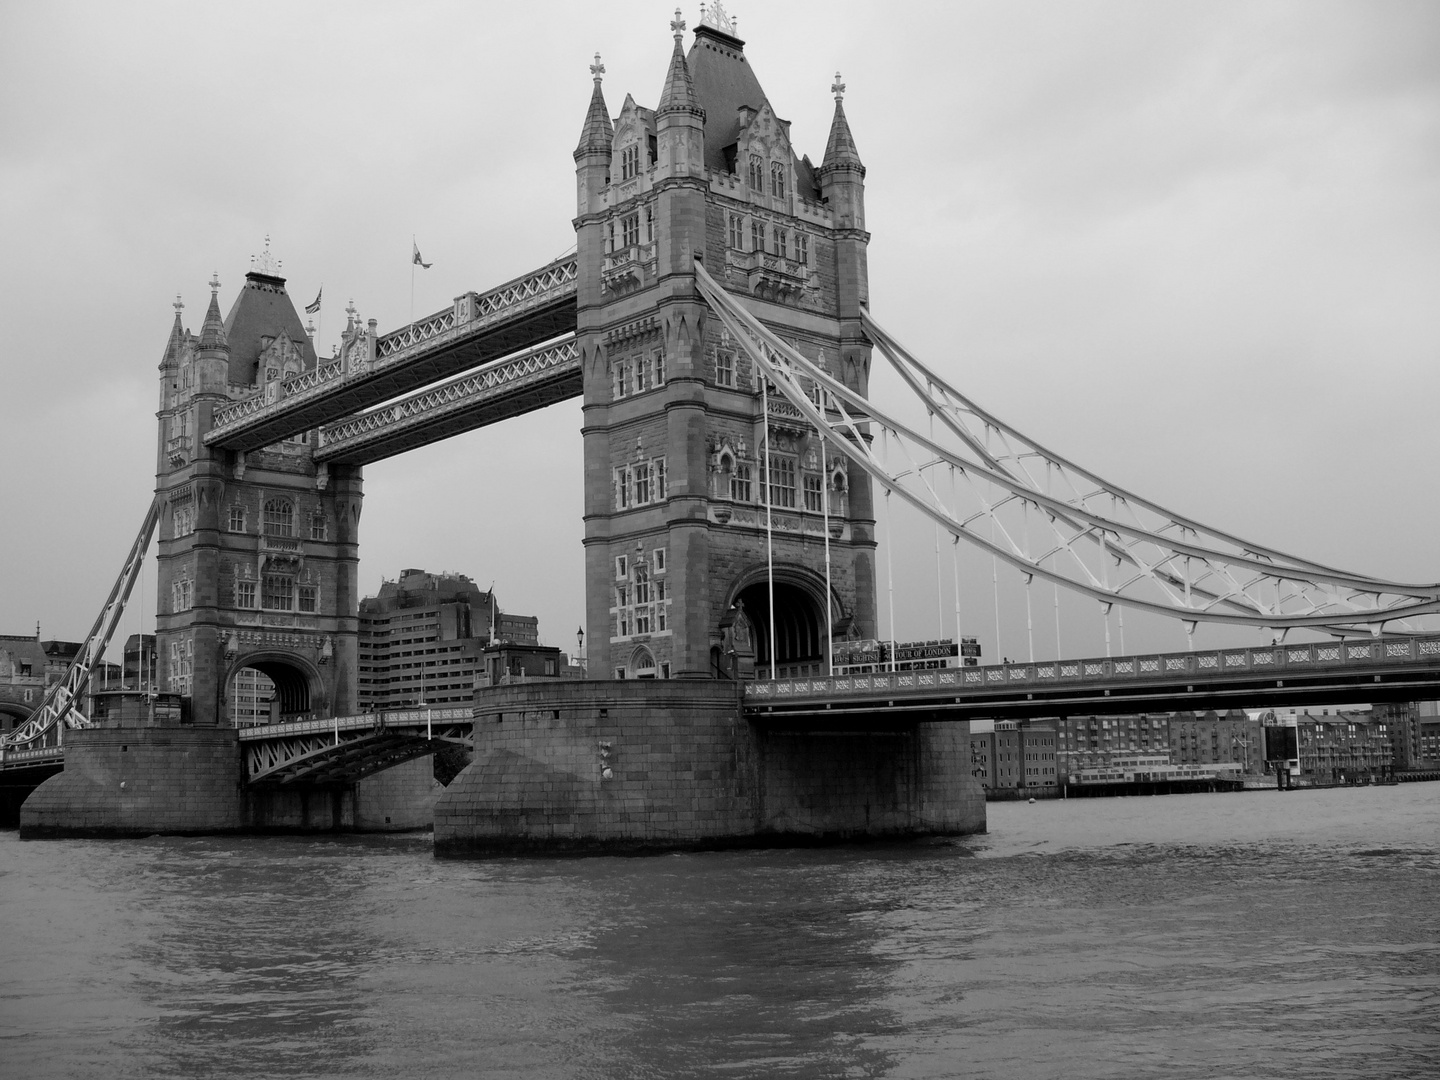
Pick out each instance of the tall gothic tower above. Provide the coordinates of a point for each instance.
(678, 582)
(258, 553)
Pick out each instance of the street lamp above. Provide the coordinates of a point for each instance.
(580, 648)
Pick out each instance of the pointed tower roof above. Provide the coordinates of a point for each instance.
(212, 334)
(840, 150)
(679, 94)
(176, 341)
(598, 133)
(261, 313)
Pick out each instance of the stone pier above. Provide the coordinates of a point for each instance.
(656, 764)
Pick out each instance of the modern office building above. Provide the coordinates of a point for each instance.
(422, 638)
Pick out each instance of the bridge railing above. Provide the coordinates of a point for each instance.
(362, 722)
(1219, 663)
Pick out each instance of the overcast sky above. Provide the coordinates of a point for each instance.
(1195, 247)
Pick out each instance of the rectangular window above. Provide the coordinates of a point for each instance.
(183, 519)
(802, 248)
(278, 593)
(237, 519)
(629, 162)
(180, 595)
(782, 481)
(317, 527)
(622, 566)
(737, 232)
(757, 172)
(642, 620)
(740, 484)
(622, 378)
(245, 594)
(660, 479)
(779, 241)
(642, 375)
(777, 179)
(630, 230)
(813, 497)
(642, 484)
(659, 560)
(308, 597)
(649, 224)
(658, 359)
(724, 368)
(757, 235)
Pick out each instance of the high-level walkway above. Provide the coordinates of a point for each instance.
(477, 330)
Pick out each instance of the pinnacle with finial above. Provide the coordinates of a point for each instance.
(597, 69)
(179, 305)
(677, 25)
(838, 88)
(215, 281)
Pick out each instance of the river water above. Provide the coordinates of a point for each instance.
(1251, 934)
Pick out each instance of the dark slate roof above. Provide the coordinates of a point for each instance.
(263, 309)
(724, 81)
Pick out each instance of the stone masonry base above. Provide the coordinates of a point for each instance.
(581, 766)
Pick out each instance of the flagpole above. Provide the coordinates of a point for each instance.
(320, 333)
(414, 251)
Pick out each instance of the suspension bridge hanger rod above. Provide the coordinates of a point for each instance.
(59, 710)
(903, 361)
(1333, 613)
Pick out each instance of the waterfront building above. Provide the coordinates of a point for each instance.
(1012, 758)
(1208, 738)
(29, 667)
(1344, 747)
(423, 635)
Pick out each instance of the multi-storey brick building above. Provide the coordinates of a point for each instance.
(676, 439)
(1015, 758)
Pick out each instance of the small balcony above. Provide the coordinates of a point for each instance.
(624, 267)
(177, 450)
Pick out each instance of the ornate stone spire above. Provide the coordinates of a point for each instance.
(840, 151)
(176, 341)
(679, 93)
(212, 334)
(598, 133)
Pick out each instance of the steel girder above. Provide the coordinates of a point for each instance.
(346, 749)
(59, 710)
(1053, 520)
(478, 329)
(506, 388)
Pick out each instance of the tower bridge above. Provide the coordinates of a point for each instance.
(716, 323)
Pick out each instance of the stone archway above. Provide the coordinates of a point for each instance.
(296, 689)
(801, 637)
(13, 714)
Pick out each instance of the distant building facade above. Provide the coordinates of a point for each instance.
(1014, 758)
(422, 639)
(1208, 738)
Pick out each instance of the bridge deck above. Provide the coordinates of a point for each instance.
(479, 329)
(1381, 669)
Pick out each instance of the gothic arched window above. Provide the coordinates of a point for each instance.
(279, 518)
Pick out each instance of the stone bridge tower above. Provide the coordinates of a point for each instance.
(258, 552)
(675, 492)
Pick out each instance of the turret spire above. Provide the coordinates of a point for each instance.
(212, 334)
(679, 94)
(840, 150)
(598, 133)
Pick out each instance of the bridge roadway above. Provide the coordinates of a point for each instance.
(1330, 673)
(478, 329)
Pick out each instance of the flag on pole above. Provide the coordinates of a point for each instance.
(311, 309)
(416, 259)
